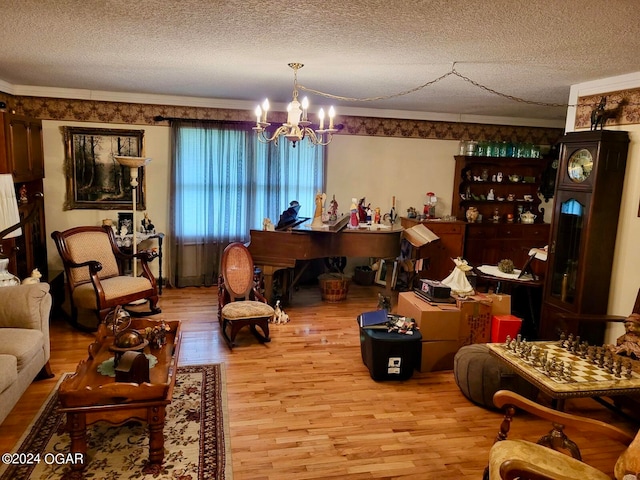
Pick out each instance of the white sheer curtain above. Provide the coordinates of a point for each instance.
(224, 183)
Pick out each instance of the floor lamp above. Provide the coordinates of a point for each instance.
(134, 163)
(9, 226)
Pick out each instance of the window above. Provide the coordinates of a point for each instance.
(226, 182)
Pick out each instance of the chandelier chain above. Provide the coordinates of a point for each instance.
(454, 72)
(381, 97)
(504, 95)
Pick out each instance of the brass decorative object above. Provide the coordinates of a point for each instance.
(125, 339)
(506, 266)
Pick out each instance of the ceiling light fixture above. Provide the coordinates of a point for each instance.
(298, 126)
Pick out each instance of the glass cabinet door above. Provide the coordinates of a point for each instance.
(571, 212)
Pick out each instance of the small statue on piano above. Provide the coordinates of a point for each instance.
(354, 221)
(333, 209)
(317, 216)
(362, 211)
(290, 215)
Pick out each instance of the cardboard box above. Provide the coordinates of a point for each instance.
(500, 303)
(475, 320)
(434, 322)
(438, 355)
(503, 325)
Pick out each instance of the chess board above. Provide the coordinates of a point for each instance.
(587, 379)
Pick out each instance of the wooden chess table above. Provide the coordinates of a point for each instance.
(89, 396)
(587, 379)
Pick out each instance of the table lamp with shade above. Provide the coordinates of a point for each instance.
(9, 226)
(134, 163)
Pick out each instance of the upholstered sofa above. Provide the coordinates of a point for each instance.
(24, 340)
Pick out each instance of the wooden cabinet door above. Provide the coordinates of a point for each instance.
(25, 156)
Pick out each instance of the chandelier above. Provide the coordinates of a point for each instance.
(298, 126)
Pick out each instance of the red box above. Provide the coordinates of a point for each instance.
(503, 325)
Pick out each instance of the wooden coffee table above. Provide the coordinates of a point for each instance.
(88, 396)
(588, 380)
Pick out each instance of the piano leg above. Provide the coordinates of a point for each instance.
(392, 275)
(267, 272)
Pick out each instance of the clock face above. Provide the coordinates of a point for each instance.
(580, 165)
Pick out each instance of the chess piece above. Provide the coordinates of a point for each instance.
(618, 368)
(569, 372)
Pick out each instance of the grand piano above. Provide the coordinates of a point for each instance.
(281, 249)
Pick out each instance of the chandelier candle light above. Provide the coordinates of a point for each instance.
(297, 127)
(134, 163)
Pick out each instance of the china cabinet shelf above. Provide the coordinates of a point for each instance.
(488, 241)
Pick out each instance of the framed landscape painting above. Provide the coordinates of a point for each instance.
(95, 180)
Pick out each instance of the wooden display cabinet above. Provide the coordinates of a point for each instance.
(21, 155)
(583, 233)
(22, 140)
(488, 241)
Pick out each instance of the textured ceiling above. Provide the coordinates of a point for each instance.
(240, 50)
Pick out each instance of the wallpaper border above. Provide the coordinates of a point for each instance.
(624, 105)
(144, 114)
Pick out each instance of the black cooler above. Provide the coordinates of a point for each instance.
(390, 355)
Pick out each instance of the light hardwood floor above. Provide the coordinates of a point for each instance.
(305, 407)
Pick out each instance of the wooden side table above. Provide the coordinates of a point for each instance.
(142, 237)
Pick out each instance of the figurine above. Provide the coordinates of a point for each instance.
(629, 343)
(23, 194)
(499, 177)
(290, 215)
(317, 216)
(391, 216)
(279, 315)
(353, 219)
(491, 195)
(147, 226)
(333, 210)
(376, 217)
(267, 225)
(457, 279)
(384, 302)
(34, 278)
(600, 114)
(362, 212)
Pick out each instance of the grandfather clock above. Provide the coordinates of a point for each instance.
(583, 232)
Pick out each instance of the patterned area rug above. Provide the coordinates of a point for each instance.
(196, 438)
